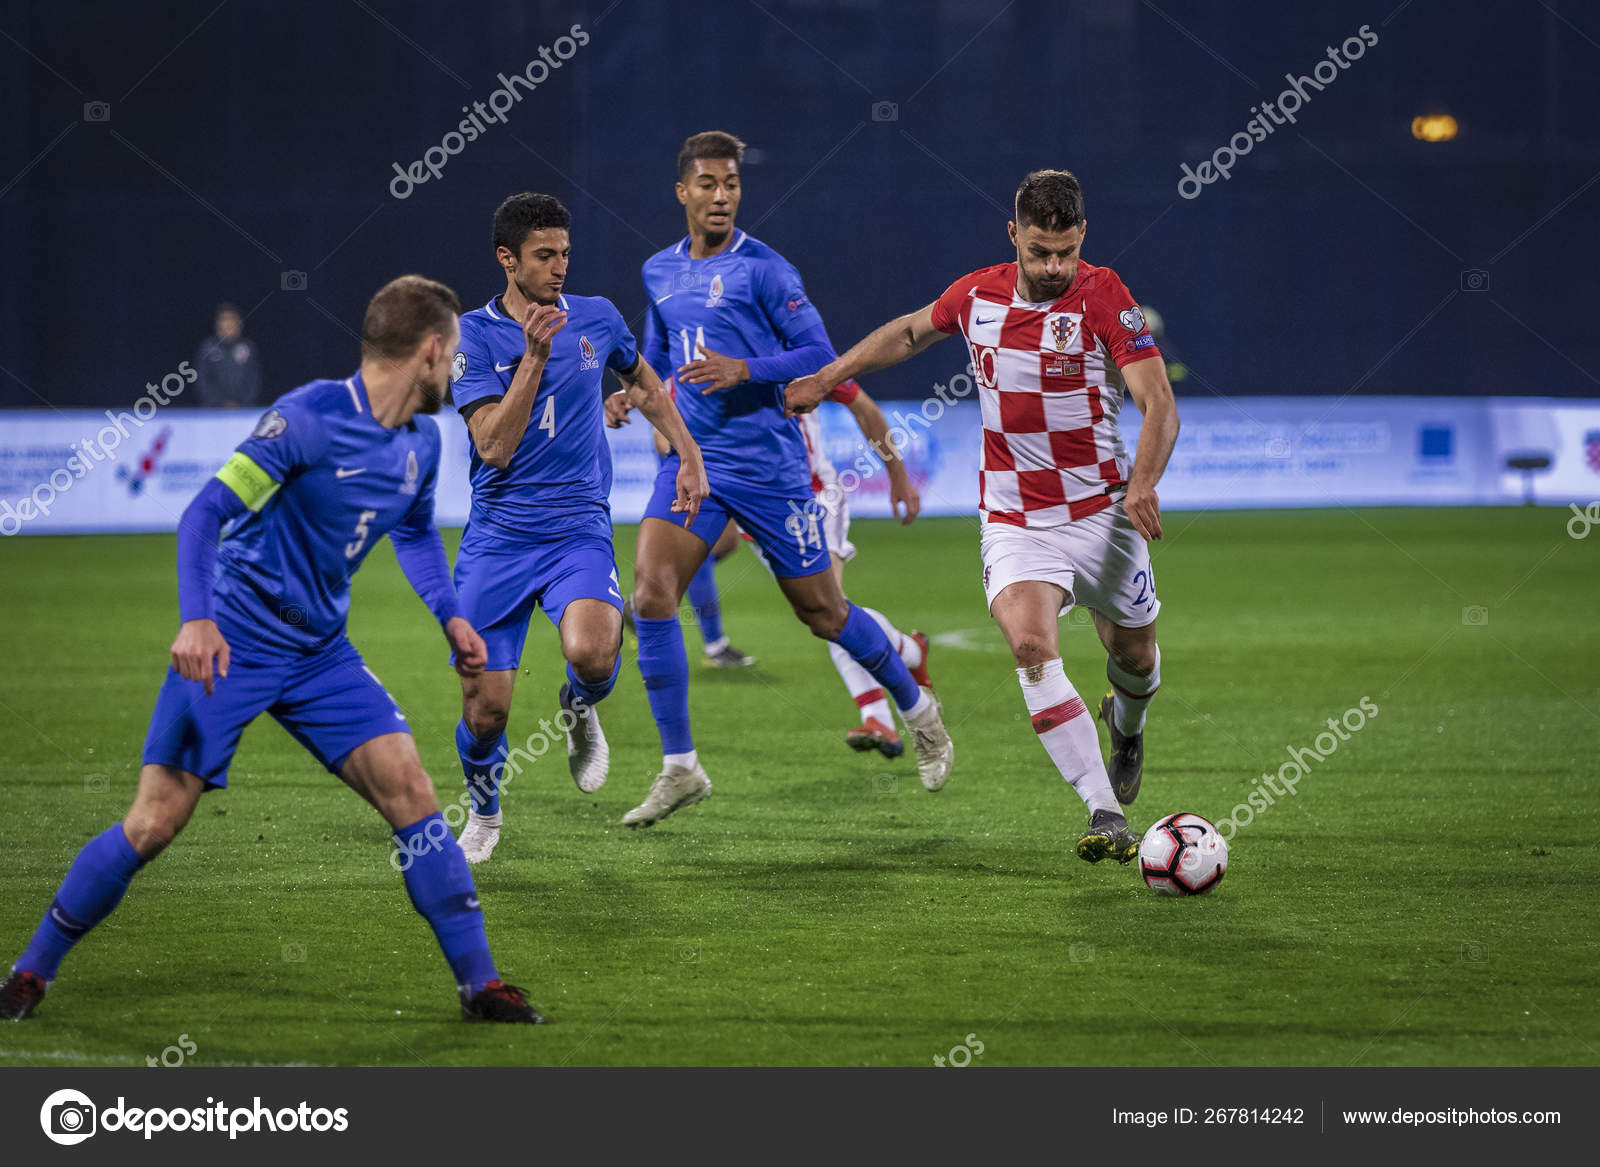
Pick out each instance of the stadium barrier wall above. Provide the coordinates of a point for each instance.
(84, 471)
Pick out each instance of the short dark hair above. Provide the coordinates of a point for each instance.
(708, 144)
(227, 306)
(1051, 200)
(525, 212)
(402, 313)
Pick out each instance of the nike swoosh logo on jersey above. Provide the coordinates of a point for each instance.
(987, 320)
(506, 368)
(343, 473)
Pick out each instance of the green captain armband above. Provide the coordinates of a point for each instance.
(253, 485)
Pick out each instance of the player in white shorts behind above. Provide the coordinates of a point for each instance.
(876, 731)
(1065, 518)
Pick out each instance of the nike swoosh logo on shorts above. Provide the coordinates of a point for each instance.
(343, 473)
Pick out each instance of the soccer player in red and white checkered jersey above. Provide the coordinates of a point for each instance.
(1066, 518)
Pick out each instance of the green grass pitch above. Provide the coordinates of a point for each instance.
(1427, 897)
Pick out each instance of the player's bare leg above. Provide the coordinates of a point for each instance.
(1133, 666)
(820, 603)
(480, 741)
(666, 560)
(387, 772)
(1027, 612)
(591, 641)
(876, 731)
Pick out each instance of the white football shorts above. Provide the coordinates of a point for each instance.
(1101, 562)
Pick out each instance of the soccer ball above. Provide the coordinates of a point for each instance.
(1183, 855)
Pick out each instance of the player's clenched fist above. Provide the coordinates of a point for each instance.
(471, 653)
(804, 394)
(198, 643)
(540, 323)
(617, 407)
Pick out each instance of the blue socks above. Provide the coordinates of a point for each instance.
(441, 890)
(665, 669)
(482, 761)
(705, 601)
(592, 692)
(94, 886)
(870, 648)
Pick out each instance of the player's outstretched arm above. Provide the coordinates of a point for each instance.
(899, 340)
(1152, 393)
(876, 430)
(497, 428)
(647, 394)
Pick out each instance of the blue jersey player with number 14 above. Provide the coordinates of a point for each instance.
(732, 316)
(265, 555)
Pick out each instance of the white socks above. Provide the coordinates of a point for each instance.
(1131, 693)
(688, 761)
(1067, 732)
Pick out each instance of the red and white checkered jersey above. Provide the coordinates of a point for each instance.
(823, 474)
(1051, 449)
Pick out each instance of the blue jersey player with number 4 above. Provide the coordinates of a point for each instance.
(732, 316)
(528, 380)
(265, 556)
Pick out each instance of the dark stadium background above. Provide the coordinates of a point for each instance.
(1331, 261)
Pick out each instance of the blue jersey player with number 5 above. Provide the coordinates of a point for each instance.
(265, 556)
(528, 382)
(732, 316)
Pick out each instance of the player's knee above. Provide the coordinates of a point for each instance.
(486, 718)
(654, 598)
(151, 828)
(1030, 650)
(825, 621)
(1138, 659)
(592, 661)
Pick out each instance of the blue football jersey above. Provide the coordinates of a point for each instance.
(324, 483)
(747, 301)
(559, 478)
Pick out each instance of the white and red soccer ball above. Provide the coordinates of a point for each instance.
(1183, 855)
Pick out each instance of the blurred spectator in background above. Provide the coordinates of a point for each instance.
(228, 365)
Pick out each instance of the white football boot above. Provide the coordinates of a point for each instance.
(588, 753)
(480, 835)
(936, 753)
(674, 788)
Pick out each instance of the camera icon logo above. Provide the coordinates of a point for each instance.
(885, 111)
(1278, 448)
(292, 281)
(293, 615)
(1474, 615)
(97, 111)
(684, 280)
(1474, 279)
(96, 784)
(68, 1117)
(686, 952)
(884, 783)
